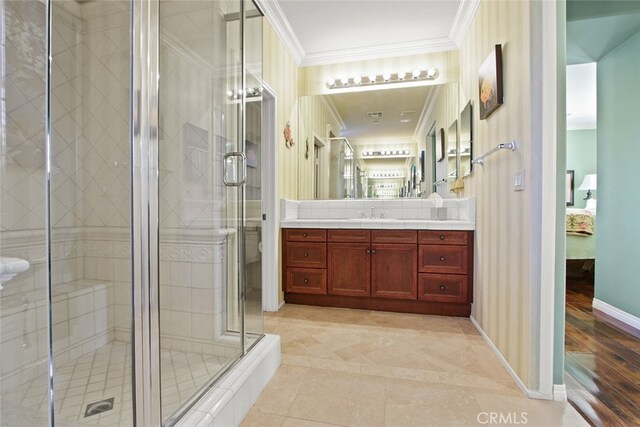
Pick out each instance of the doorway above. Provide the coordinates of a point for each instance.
(602, 308)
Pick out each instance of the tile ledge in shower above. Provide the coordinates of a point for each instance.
(229, 401)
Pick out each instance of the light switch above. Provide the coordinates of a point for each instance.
(518, 180)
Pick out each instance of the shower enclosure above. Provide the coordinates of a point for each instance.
(130, 200)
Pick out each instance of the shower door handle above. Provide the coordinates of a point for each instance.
(234, 169)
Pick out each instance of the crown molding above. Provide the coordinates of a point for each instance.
(429, 105)
(462, 21)
(378, 51)
(282, 28)
(328, 103)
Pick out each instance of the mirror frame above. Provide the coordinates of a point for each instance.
(466, 120)
(452, 132)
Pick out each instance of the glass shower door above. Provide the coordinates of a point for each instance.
(200, 208)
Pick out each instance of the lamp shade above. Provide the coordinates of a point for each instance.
(589, 182)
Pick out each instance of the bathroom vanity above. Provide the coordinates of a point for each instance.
(404, 262)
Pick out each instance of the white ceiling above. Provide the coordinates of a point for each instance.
(331, 31)
(354, 106)
(582, 98)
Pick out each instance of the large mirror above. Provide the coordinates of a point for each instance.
(466, 141)
(367, 143)
(452, 151)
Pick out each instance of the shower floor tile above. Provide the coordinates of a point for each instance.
(106, 373)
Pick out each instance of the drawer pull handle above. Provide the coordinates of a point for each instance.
(443, 287)
(368, 251)
(443, 259)
(373, 251)
(304, 234)
(306, 280)
(306, 254)
(441, 237)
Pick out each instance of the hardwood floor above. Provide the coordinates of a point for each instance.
(602, 361)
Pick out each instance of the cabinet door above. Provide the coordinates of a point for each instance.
(394, 271)
(349, 269)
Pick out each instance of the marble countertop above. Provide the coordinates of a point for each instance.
(390, 224)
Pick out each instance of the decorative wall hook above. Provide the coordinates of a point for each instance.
(288, 135)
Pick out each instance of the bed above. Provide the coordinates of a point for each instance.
(581, 241)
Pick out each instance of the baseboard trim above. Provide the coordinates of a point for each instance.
(560, 392)
(532, 394)
(618, 318)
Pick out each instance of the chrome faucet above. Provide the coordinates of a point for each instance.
(373, 208)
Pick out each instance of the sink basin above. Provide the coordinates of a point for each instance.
(10, 267)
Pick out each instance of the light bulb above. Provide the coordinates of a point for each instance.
(357, 80)
(416, 74)
(386, 77)
(331, 82)
(229, 93)
(401, 75)
(431, 72)
(372, 78)
(345, 81)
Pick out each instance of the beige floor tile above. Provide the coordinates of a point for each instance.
(296, 422)
(257, 418)
(279, 394)
(363, 368)
(415, 403)
(340, 398)
(538, 413)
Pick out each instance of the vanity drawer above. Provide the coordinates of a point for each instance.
(305, 235)
(442, 287)
(306, 281)
(394, 236)
(357, 236)
(434, 237)
(442, 259)
(309, 255)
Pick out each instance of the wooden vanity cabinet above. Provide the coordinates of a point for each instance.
(426, 271)
(349, 269)
(305, 261)
(394, 271)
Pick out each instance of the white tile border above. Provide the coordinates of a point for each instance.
(229, 401)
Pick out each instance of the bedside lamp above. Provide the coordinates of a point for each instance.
(590, 182)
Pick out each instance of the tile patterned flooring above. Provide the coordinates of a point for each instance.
(344, 367)
(106, 373)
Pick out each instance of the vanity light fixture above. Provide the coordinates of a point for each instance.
(385, 153)
(251, 92)
(386, 174)
(374, 79)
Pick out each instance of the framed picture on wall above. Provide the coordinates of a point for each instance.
(490, 83)
(440, 146)
(569, 187)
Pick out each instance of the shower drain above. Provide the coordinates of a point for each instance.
(99, 407)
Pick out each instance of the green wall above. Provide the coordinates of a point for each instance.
(618, 228)
(581, 158)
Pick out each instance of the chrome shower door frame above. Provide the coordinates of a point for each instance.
(145, 224)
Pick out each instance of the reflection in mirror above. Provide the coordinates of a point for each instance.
(466, 141)
(452, 151)
(380, 129)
